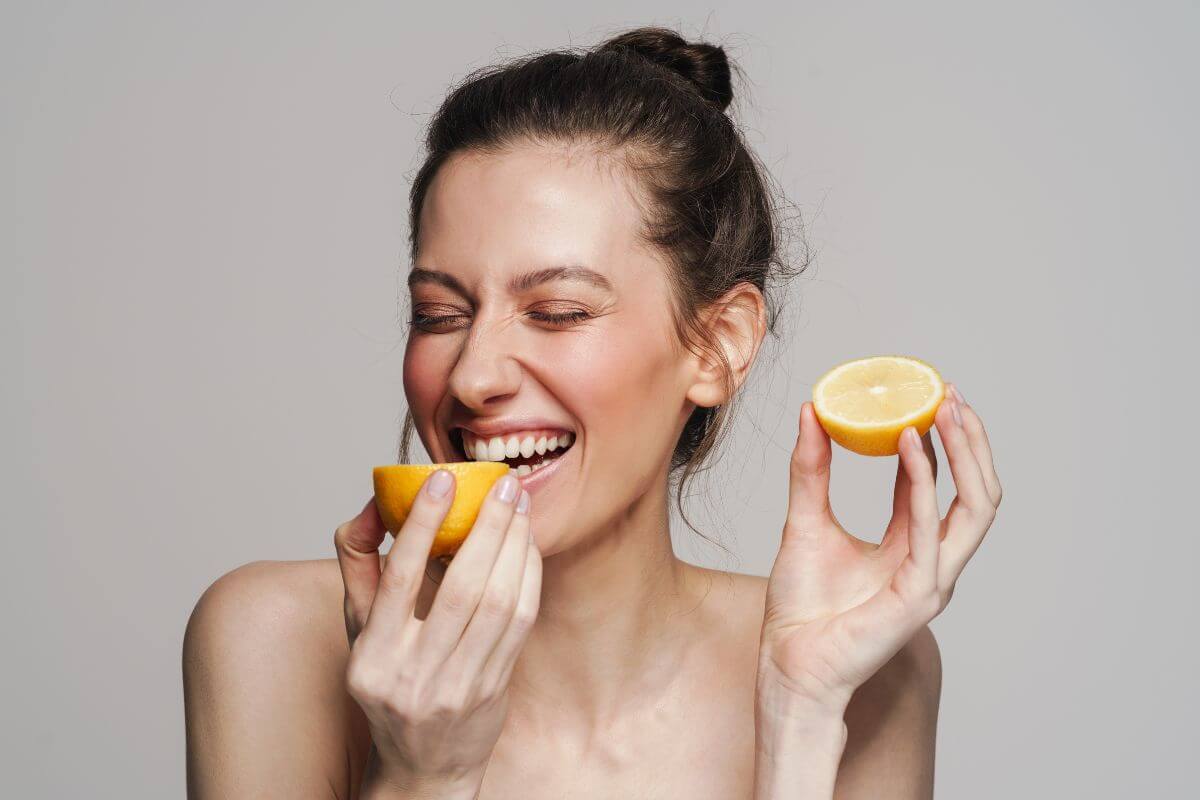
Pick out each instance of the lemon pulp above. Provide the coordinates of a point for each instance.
(865, 404)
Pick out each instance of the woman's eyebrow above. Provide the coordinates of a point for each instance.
(527, 281)
(520, 283)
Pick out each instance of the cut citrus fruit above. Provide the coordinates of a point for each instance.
(864, 405)
(396, 488)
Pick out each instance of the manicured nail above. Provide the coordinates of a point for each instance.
(506, 489)
(439, 483)
(523, 502)
(957, 394)
(954, 411)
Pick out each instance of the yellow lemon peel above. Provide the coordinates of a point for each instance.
(397, 485)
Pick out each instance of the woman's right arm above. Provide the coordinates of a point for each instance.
(267, 712)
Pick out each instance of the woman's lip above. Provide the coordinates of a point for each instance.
(535, 479)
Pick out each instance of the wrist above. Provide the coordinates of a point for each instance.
(799, 741)
(381, 784)
(776, 694)
(783, 717)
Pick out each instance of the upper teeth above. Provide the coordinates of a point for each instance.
(520, 444)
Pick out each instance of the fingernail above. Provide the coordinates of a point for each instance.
(506, 489)
(954, 411)
(439, 483)
(523, 502)
(957, 394)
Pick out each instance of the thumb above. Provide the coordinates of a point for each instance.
(357, 543)
(808, 498)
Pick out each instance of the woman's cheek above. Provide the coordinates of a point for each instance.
(425, 377)
(619, 389)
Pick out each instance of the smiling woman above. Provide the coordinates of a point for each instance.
(594, 254)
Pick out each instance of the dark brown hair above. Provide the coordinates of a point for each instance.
(659, 103)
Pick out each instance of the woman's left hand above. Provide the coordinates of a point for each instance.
(838, 608)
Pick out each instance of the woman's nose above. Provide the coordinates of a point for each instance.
(485, 373)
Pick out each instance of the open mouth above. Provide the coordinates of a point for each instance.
(525, 452)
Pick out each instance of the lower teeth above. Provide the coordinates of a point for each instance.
(526, 469)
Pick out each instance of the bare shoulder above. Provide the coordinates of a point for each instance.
(263, 606)
(734, 604)
(264, 657)
(734, 601)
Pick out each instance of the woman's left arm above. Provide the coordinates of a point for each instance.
(839, 608)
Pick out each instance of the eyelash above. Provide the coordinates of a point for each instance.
(562, 318)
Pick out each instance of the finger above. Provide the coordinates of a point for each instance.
(808, 497)
(923, 521)
(466, 577)
(972, 513)
(964, 467)
(901, 493)
(977, 436)
(499, 600)
(499, 667)
(400, 581)
(357, 545)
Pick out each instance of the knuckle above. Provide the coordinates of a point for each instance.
(946, 594)
(399, 704)
(459, 599)
(931, 605)
(981, 515)
(523, 622)
(498, 604)
(364, 682)
(393, 581)
(491, 689)
(340, 533)
(524, 618)
(448, 704)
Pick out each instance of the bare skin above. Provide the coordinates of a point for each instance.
(266, 651)
(639, 677)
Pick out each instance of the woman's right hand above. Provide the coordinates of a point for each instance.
(435, 691)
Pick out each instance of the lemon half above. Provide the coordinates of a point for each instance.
(396, 488)
(865, 404)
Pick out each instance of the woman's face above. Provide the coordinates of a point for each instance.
(539, 314)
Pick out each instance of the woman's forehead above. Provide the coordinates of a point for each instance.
(529, 205)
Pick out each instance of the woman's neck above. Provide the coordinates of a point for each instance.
(617, 620)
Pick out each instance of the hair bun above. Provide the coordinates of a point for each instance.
(704, 65)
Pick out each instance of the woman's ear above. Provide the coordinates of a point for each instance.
(736, 324)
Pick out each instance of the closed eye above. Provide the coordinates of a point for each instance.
(444, 323)
(560, 318)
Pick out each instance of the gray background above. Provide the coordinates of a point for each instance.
(203, 230)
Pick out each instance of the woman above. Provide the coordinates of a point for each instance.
(593, 251)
